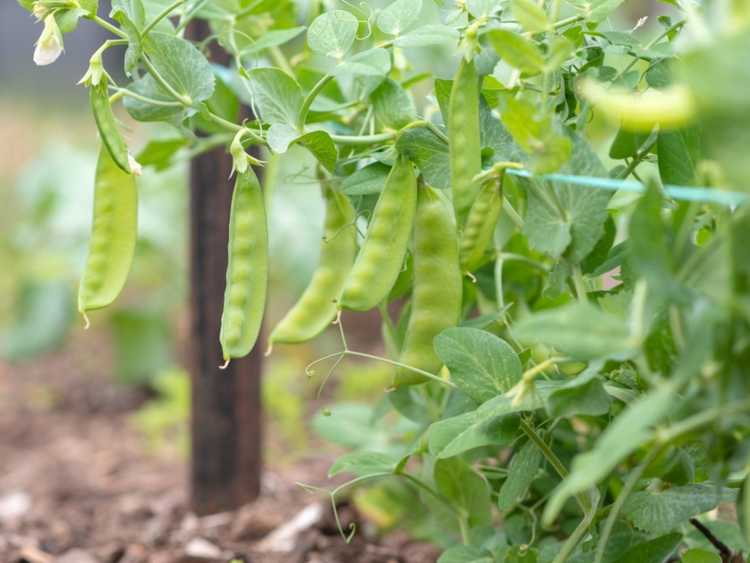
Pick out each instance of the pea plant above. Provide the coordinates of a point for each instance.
(546, 206)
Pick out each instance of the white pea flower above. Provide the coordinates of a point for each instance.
(50, 44)
(135, 167)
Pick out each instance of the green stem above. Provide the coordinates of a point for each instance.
(220, 121)
(579, 284)
(701, 419)
(363, 139)
(185, 18)
(109, 27)
(163, 14)
(281, 61)
(638, 158)
(620, 501)
(146, 99)
(310, 98)
(512, 213)
(567, 21)
(572, 541)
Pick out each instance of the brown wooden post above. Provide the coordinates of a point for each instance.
(226, 432)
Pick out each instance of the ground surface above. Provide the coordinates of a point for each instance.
(77, 485)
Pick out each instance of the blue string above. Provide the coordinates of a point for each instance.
(688, 193)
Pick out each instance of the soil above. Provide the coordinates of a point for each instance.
(79, 485)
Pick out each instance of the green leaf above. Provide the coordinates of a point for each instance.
(374, 62)
(631, 429)
(427, 36)
(662, 512)
(159, 152)
(481, 364)
(143, 111)
(271, 38)
(530, 15)
(653, 551)
(479, 8)
(579, 330)
(521, 554)
(322, 147)
(333, 33)
(393, 105)
(459, 483)
(429, 153)
(516, 50)
(679, 151)
(363, 463)
(398, 15)
(278, 97)
(489, 424)
(280, 136)
(626, 144)
(367, 180)
(700, 556)
(596, 10)
(584, 395)
(181, 65)
(466, 554)
(131, 16)
(522, 470)
(563, 218)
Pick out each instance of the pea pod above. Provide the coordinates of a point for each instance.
(480, 224)
(316, 307)
(247, 268)
(381, 257)
(436, 299)
(464, 145)
(107, 126)
(113, 235)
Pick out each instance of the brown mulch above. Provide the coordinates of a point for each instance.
(77, 485)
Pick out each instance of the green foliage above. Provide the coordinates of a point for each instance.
(591, 396)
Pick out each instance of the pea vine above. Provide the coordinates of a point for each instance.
(545, 204)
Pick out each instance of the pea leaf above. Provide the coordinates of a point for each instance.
(181, 65)
(628, 432)
(458, 482)
(429, 153)
(679, 150)
(579, 330)
(143, 111)
(653, 551)
(700, 556)
(516, 50)
(479, 8)
(584, 395)
(271, 38)
(159, 152)
(322, 147)
(363, 463)
(278, 97)
(596, 10)
(531, 16)
(665, 511)
(398, 15)
(367, 180)
(131, 16)
(428, 35)
(374, 62)
(393, 105)
(466, 554)
(563, 218)
(482, 365)
(522, 470)
(333, 33)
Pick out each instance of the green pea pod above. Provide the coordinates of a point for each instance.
(317, 308)
(247, 268)
(105, 122)
(436, 299)
(464, 144)
(381, 257)
(480, 224)
(113, 235)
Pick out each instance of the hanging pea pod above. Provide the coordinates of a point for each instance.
(107, 126)
(381, 257)
(483, 215)
(464, 145)
(113, 235)
(247, 268)
(317, 308)
(436, 299)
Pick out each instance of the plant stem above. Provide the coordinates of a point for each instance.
(310, 98)
(363, 139)
(567, 21)
(163, 14)
(579, 284)
(145, 99)
(572, 541)
(109, 27)
(620, 501)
